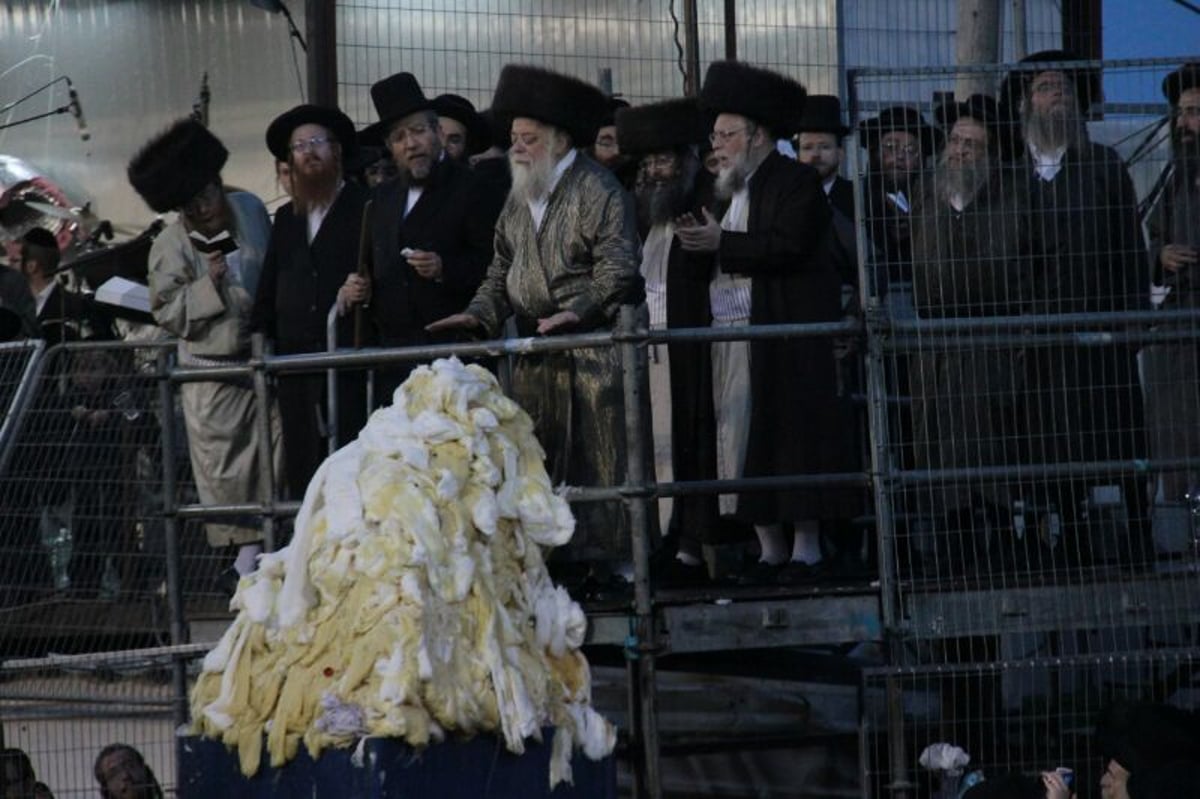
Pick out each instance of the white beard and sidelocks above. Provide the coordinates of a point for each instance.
(531, 182)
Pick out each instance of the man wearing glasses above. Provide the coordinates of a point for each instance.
(310, 264)
(431, 230)
(204, 271)
(767, 251)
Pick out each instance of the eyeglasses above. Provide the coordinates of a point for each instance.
(1188, 112)
(896, 148)
(721, 136)
(305, 145)
(210, 195)
(400, 134)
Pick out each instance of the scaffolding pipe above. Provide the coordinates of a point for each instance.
(644, 648)
(266, 455)
(175, 605)
(331, 378)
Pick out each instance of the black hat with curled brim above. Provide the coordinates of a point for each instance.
(1179, 81)
(176, 165)
(900, 119)
(1016, 82)
(461, 110)
(395, 97)
(765, 97)
(567, 103)
(279, 132)
(659, 127)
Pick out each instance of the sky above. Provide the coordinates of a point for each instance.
(1150, 28)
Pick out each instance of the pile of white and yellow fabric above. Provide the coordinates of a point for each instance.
(413, 600)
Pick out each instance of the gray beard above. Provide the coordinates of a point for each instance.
(1048, 131)
(964, 182)
(732, 178)
(531, 183)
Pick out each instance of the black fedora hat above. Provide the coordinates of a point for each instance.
(1016, 82)
(332, 119)
(395, 97)
(1179, 81)
(903, 119)
(658, 127)
(463, 111)
(822, 114)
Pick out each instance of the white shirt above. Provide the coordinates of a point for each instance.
(656, 254)
(1047, 165)
(537, 208)
(729, 294)
(899, 200)
(828, 185)
(317, 215)
(414, 194)
(43, 296)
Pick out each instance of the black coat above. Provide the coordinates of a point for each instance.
(799, 425)
(1085, 402)
(300, 281)
(454, 217)
(841, 196)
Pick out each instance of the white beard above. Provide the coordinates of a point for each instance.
(531, 182)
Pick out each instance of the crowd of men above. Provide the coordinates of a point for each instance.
(558, 205)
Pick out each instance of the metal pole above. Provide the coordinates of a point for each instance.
(691, 49)
(634, 377)
(175, 606)
(266, 454)
(1019, 34)
(331, 379)
(320, 23)
(731, 30)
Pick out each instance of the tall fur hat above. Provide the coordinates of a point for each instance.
(1179, 81)
(768, 98)
(657, 127)
(550, 97)
(176, 165)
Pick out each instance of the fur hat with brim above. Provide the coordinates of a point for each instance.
(460, 109)
(612, 107)
(279, 132)
(903, 119)
(659, 127)
(1179, 81)
(768, 98)
(822, 114)
(1016, 83)
(176, 165)
(550, 97)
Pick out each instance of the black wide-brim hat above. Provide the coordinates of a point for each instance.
(822, 114)
(279, 132)
(766, 97)
(1016, 82)
(550, 97)
(980, 107)
(176, 165)
(659, 127)
(903, 119)
(612, 107)
(395, 97)
(460, 109)
(1179, 81)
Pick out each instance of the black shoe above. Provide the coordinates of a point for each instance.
(761, 573)
(674, 573)
(799, 573)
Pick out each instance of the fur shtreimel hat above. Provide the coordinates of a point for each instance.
(1179, 81)
(1016, 83)
(176, 165)
(550, 97)
(658, 127)
(279, 132)
(770, 99)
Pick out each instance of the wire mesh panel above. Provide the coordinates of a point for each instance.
(1035, 442)
(83, 564)
(1024, 717)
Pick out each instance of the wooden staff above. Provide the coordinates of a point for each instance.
(364, 270)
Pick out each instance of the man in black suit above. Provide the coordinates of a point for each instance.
(63, 315)
(310, 264)
(431, 230)
(819, 144)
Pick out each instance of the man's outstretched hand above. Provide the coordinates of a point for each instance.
(458, 321)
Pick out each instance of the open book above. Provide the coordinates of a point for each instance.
(132, 299)
(222, 242)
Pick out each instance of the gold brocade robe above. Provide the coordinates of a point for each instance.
(583, 258)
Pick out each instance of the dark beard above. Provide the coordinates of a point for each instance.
(1186, 152)
(1049, 130)
(660, 201)
(317, 189)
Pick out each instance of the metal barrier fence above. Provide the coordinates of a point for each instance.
(973, 596)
